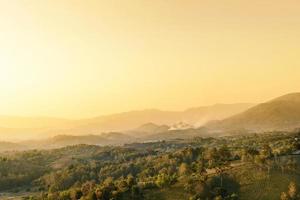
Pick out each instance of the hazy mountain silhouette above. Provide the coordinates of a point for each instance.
(111, 138)
(133, 119)
(10, 146)
(148, 129)
(282, 113)
(22, 127)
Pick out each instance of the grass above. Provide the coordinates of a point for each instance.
(15, 196)
(254, 184)
(175, 192)
(266, 187)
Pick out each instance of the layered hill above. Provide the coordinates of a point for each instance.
(27, 128)
(70, 140)
(105, 139)
(131, 120)
(10, 146)
(280, 114)
(148, 129)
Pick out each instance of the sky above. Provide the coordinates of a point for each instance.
(77, 59)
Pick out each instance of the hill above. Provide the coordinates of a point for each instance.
(41, 128)
(282, 113)
(10, 146)
(58, 141)
(148, 129)
(131, 120)
(105, 139)
(238, 166)
(194, 116)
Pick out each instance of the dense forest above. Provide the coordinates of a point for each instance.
(235, 167)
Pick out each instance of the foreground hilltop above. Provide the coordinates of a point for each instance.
(282, 113)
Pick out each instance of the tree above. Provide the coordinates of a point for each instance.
(292, 191)
(291, 164)
(211, 155)
(136, 193)
(130, 180)
(266, 151)
(218, 197)
(165, 180)
(284, 196)
(183, 169)
(260, 161)
(75, 193)
(224, 153)
(291, 194)
(87, 188)
(220, 170)
(65, 195)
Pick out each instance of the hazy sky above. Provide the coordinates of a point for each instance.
(86, 58)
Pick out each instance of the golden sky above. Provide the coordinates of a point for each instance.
(71, 58)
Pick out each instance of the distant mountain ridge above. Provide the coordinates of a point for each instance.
(279, 114)
(282, 113)
(148, 129)
(22, 127)
(58, 141)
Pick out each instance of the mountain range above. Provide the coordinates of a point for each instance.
(28, 128)
(279, 114)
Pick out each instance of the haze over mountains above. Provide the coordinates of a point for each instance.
(279, 114)
(38, 128)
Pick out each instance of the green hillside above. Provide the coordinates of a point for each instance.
(236, 167)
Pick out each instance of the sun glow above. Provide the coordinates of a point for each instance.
(80, 59)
